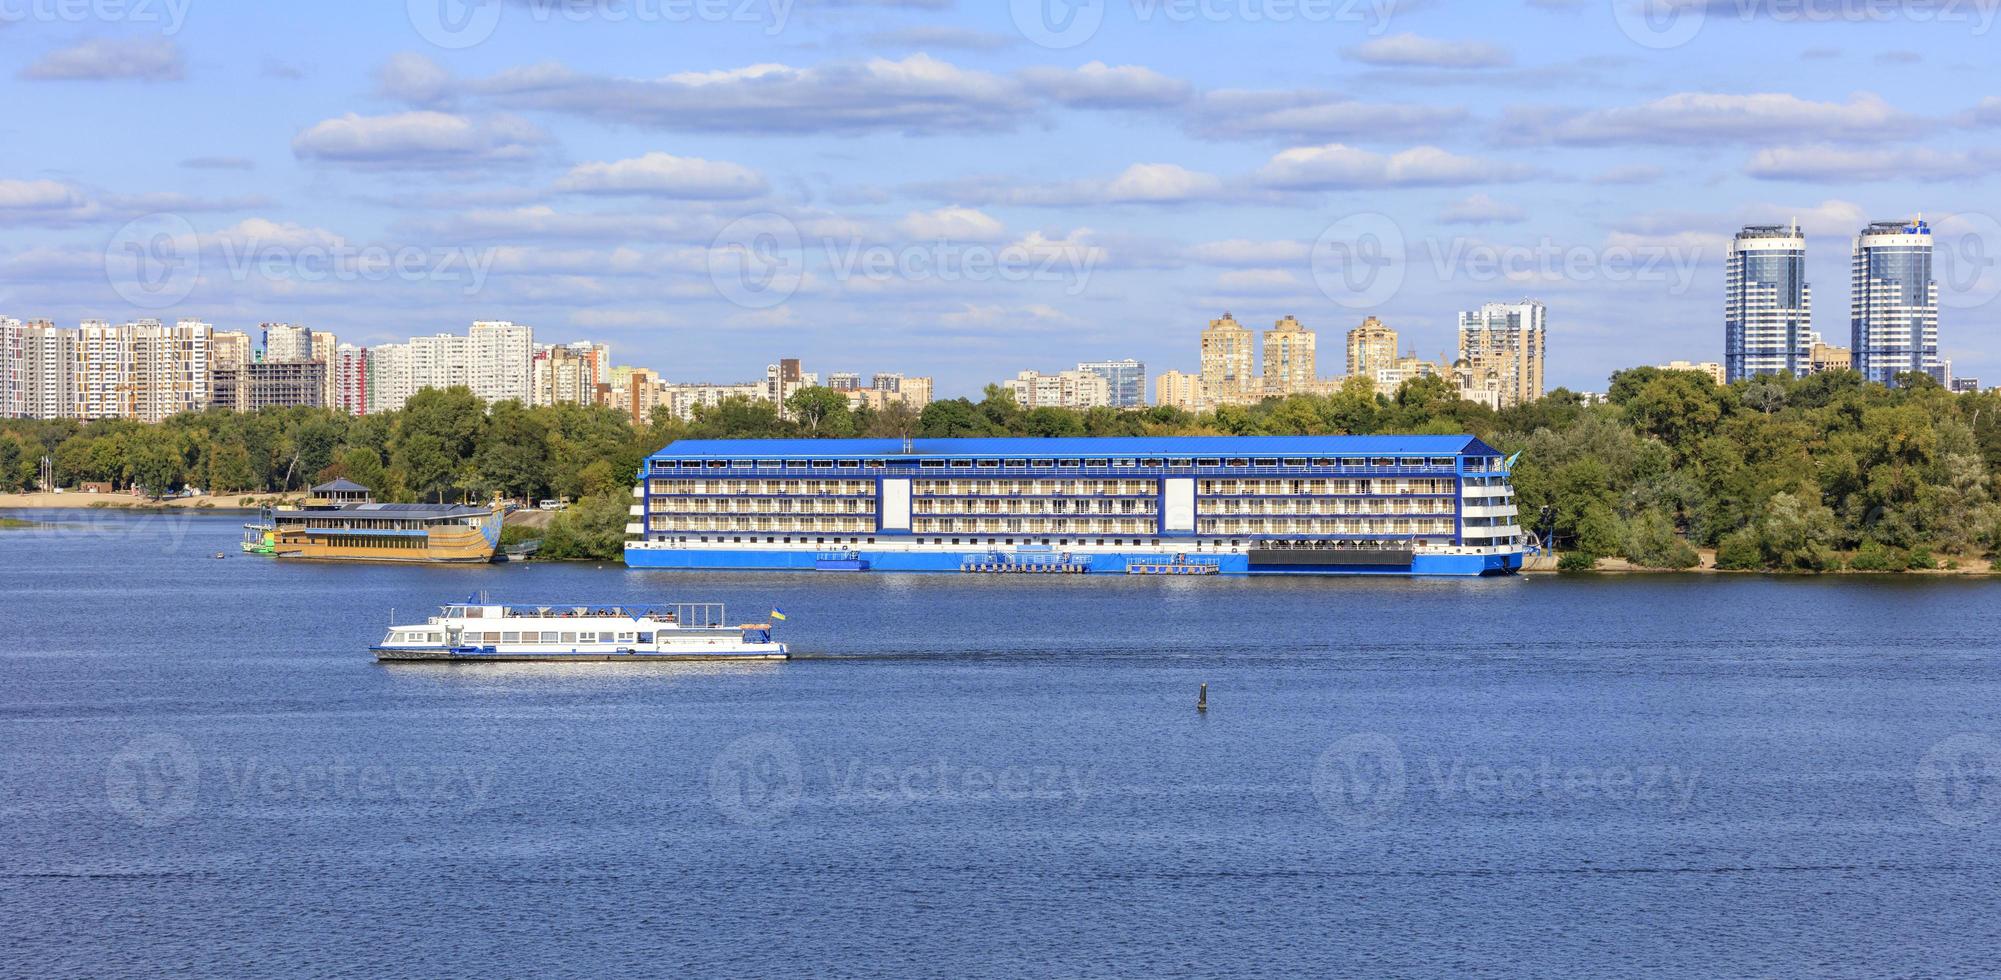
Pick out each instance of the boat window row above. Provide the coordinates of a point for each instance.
(1104, 462)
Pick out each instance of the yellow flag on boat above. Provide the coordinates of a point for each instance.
(776, 614)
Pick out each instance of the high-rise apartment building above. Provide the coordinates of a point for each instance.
(48, 371)
(1507, 339)
(349, 370)
(1177, 389)
(1893, 313)
(501, 358)
(572, 374)
(844, 381)
(103, 372)
(170, 368)
(1289, 360)
(13, 367)
(270, 384)
(230, 348)
(1066, 389)
(286, 342)
(1229, 363)
(1127, 379)
(1767, 304)
(1372, 347)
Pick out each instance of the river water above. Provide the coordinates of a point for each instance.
(202, 771)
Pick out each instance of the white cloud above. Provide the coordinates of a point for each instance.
(1339, 166)
(665, 175)
(1161, 183)
(1100, 86)
(1827, 163)
(422, 139)
(1245, 252)
(1412, 51)
(105, 59)
(1479, 209)
(918, 94)
(1705, 117)
(952, 224)
(1139, 184)
(1313, 116)
(39, 195)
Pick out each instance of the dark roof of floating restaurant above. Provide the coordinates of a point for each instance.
(1122, 447)
(340, 486)
(390, 511)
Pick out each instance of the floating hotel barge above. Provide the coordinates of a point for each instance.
(1329, 505)
(341, 522)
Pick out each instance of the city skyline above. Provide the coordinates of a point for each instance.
(552, 167)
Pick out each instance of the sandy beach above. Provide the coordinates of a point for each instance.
(71, 500)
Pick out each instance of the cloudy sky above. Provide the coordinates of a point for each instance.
(967, 189)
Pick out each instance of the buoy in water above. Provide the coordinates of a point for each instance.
(1202, 700)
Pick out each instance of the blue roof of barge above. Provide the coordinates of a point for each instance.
(1123, 446)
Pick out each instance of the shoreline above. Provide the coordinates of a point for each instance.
(1968, 568)
(222, 503)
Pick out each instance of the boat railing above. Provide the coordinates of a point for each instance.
(690, 615)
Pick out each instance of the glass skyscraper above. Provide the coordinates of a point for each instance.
(1767, 304)
(1126, 378)
(1894, 311)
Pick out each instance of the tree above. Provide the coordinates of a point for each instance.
(156, 467)
(513, 456)
(822, 411)
(591, 529)
(1652, 543)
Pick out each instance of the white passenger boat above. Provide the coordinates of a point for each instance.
(483, 632)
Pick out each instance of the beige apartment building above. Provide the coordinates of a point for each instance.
(1371, 347)
(1229, 363)
(1289, 360)
(1506, 341)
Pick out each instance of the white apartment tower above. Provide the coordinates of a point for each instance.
(1767, 304)
(502, 355)
(1893, 316)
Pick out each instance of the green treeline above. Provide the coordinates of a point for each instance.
(1801, 474)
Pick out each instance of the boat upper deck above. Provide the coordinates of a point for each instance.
(693, 615)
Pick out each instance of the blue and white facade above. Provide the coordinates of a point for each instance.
(1398, 505)
(1767, 304)
(1893, 318)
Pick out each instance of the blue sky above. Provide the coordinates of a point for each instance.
(970, 189)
